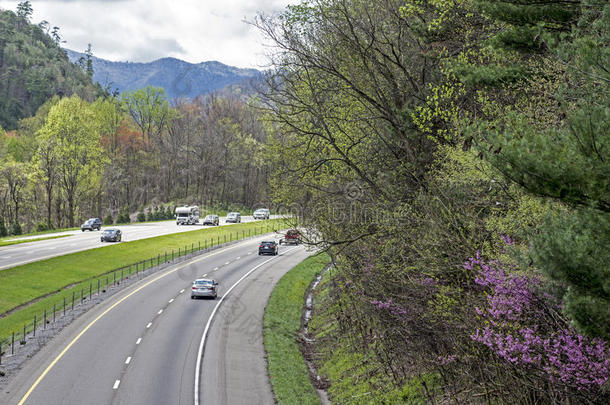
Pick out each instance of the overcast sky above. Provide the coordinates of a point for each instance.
(145, 30)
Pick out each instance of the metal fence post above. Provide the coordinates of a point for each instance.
(34, 331)
(54, 311)
(73, 300)
(13, 344)
(44, 322)
(82, 299)
(64, 306)
(98, 286)
(89, 290)
(24, 325)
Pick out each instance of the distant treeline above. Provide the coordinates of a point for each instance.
(70, 151)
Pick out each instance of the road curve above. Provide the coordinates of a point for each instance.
(15, 255)
(140, 346)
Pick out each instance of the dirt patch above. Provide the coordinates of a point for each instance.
(307, 342)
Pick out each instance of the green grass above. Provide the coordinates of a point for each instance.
(8, 242)
(21, 285)
(287, 369)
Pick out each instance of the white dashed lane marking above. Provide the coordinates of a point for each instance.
(116, 384)
(160, 312)
(170, 301)
(149, 325)
(181, 291)
(215, 268)
(128, 360)
(138, 341)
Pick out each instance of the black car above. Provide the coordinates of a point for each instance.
(111, 235)
(91, 224)
(267, 248)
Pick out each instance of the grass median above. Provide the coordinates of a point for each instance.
(23, 286)
(287, 369)
(9, 242)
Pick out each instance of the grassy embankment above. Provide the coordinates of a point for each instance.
(57, 278)
(353, 372)
(282, 321)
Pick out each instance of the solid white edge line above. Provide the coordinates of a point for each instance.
(208, 324)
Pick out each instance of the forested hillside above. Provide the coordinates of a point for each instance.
(453, 158)
(34, 68)
(69, 151)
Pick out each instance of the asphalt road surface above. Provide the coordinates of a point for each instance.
(141, 346)
(15, 255)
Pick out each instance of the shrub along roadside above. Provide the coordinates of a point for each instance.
(287, 369)
(352, 370)
(49, 278)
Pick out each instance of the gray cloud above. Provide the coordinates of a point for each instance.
(144, 30)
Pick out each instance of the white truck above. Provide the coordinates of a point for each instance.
(187, 215)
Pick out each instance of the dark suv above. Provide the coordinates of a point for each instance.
(91, 224)
(267, 248)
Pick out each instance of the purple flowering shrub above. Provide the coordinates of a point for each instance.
(523, 326)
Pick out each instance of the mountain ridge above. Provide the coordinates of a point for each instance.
(179, 78)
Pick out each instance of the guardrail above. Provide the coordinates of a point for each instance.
(103, 284)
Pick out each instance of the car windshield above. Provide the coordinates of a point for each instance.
(210, 217)
(107, 231)
(203, 282)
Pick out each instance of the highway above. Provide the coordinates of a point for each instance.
(142, 345)
(15, 255)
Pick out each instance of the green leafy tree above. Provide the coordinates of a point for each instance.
(150, 111)
(25, 10)
(17, 176)
(72, 127)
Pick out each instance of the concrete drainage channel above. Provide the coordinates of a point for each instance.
(308, 341)
(13, 357)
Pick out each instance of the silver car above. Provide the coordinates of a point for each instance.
(234, 217)
(204, 287)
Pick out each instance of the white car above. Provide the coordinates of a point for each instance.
(261, 213)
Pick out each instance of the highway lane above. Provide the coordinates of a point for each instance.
(15, 255)
(142, 348)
